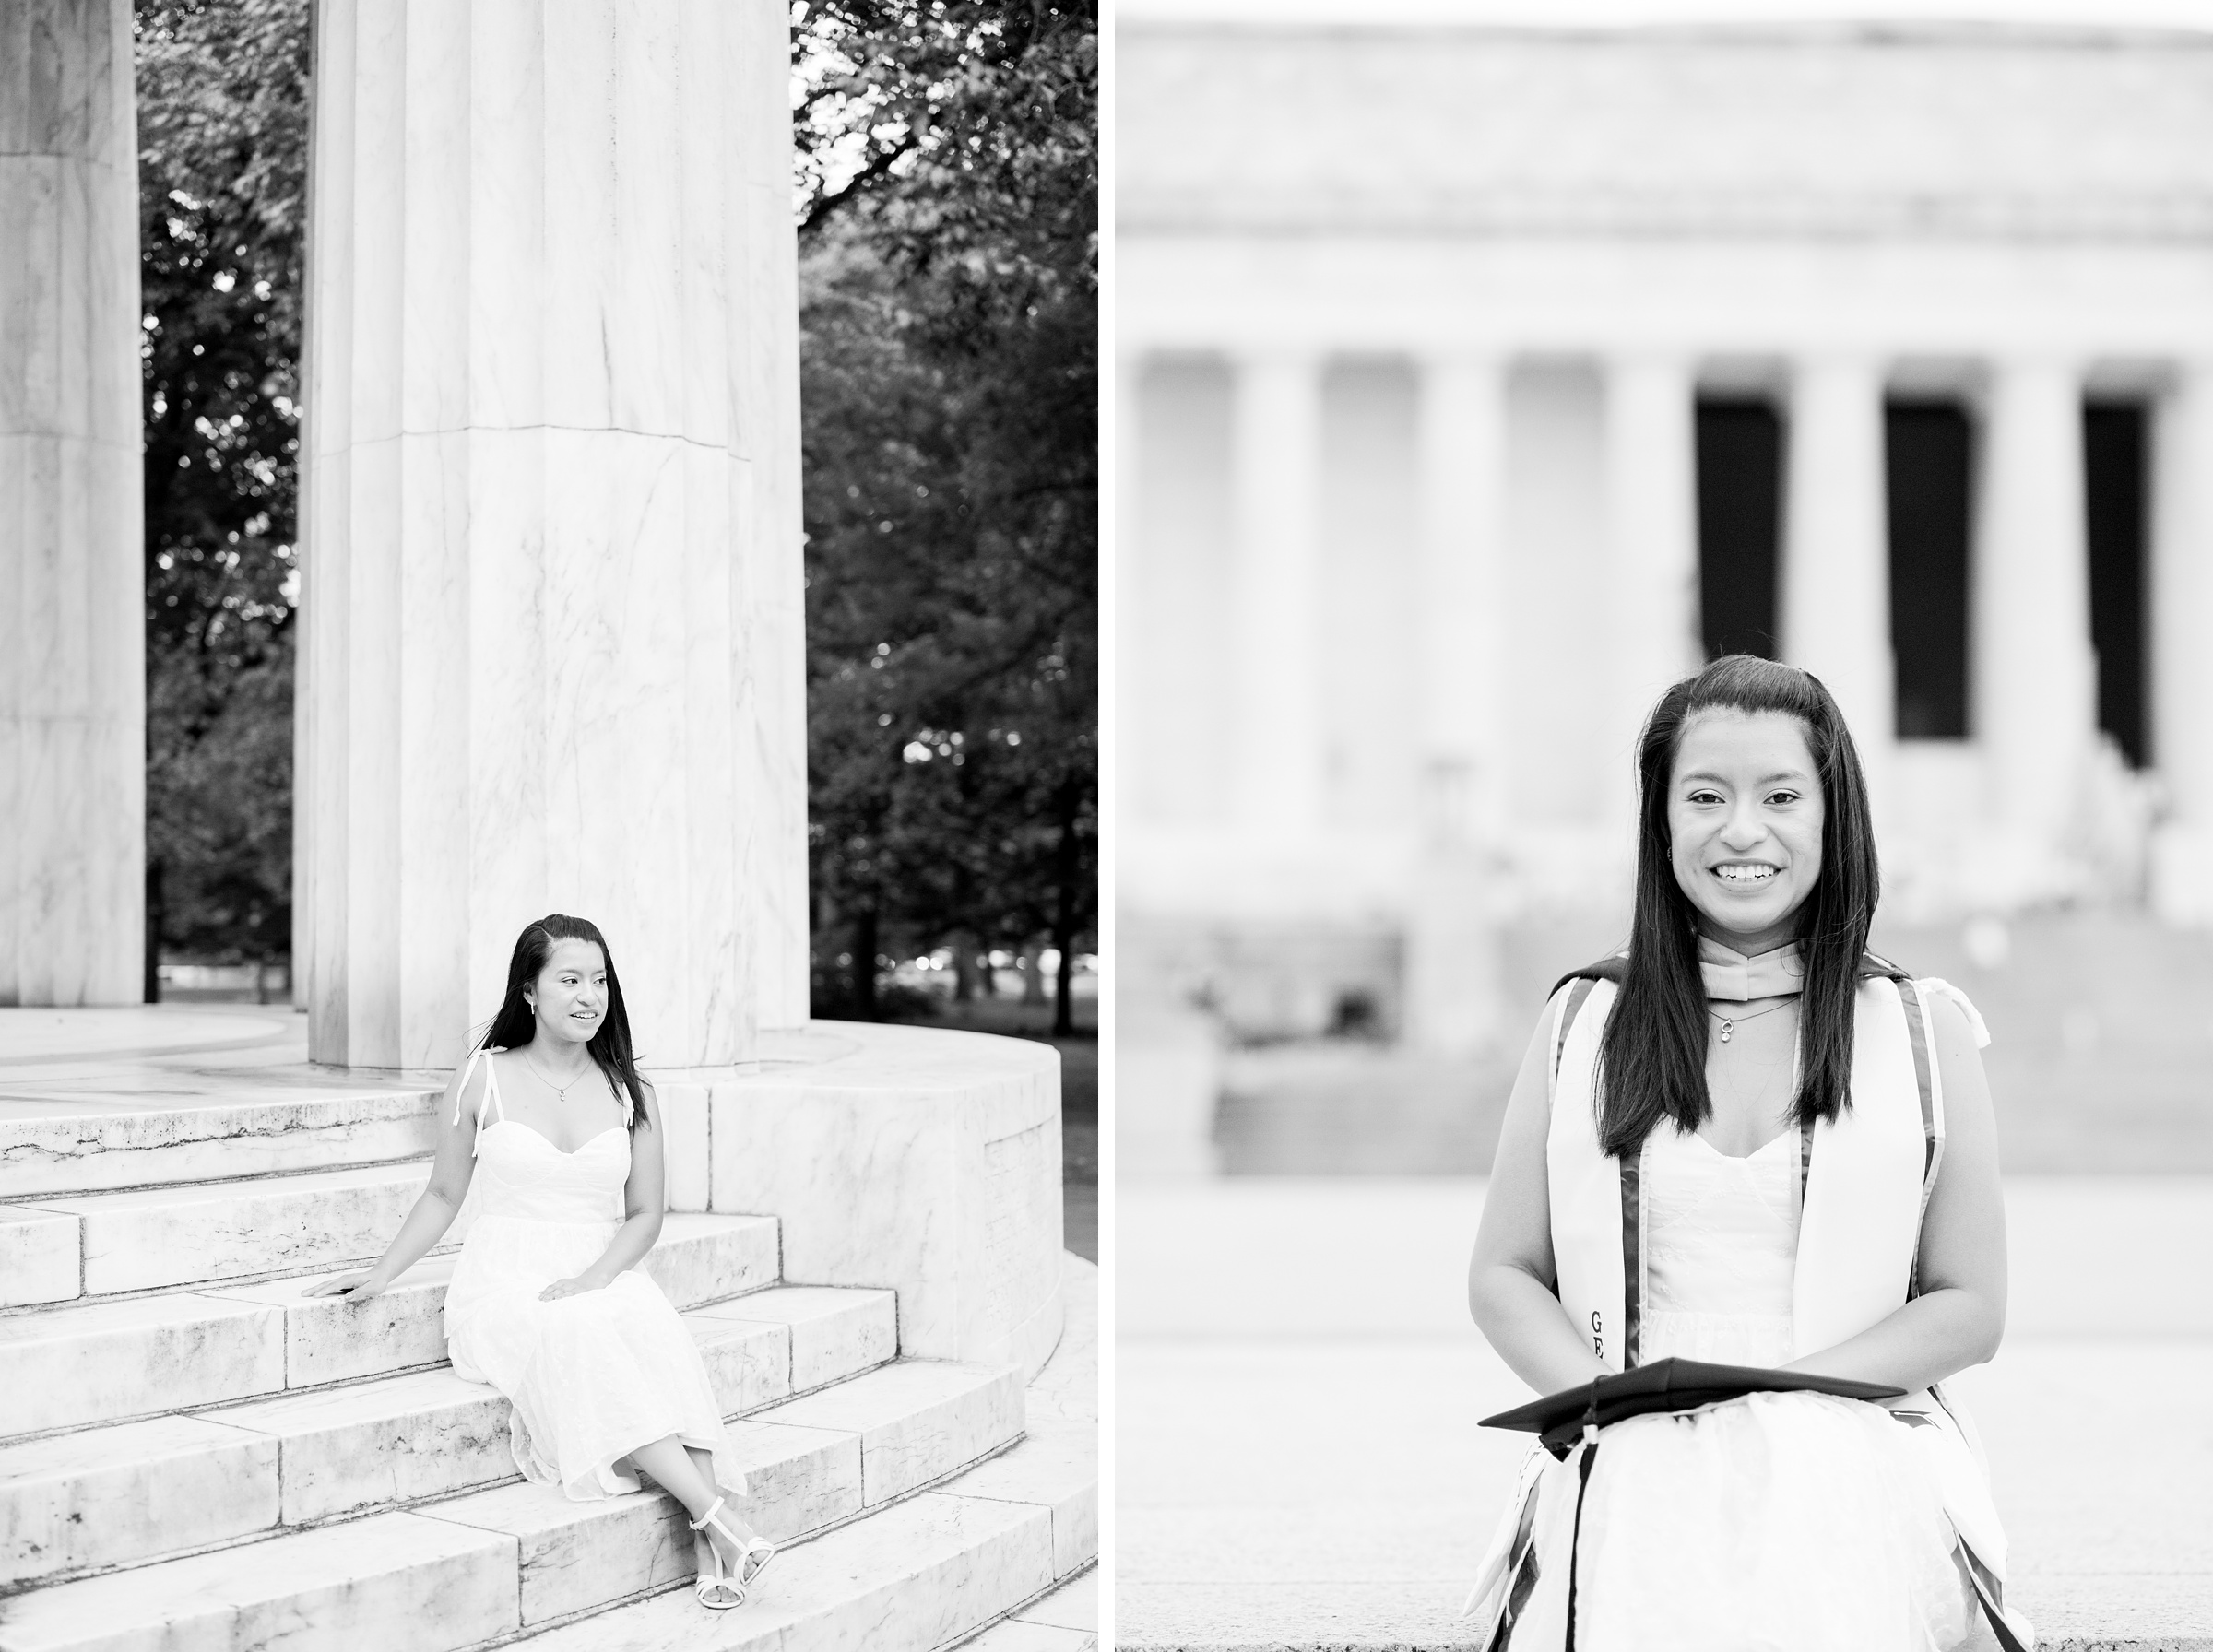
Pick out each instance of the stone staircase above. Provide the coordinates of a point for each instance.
(194, 1454)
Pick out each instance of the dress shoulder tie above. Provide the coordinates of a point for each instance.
(489, 1100)
(1944, 989)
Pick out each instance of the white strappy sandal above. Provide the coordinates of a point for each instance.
(710, 1589)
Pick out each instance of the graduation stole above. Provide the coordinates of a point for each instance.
(1866, 1174)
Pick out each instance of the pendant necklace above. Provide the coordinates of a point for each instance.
(1729, 1022)
(561, 1091)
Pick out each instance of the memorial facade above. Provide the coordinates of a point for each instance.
(1477, 383)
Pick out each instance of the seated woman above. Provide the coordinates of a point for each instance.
(546, 1303)
(1749, 1141)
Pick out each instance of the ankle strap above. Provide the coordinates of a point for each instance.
(700, 1524)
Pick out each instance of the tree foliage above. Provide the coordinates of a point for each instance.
(949, 264)
(222, 127)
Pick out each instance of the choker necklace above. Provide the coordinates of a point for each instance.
(1729, 1021)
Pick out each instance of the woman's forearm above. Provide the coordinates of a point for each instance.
(425, 1225)
(625, 1250)
(1926, 1341)
(1526, 1324)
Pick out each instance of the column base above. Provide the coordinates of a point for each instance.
(1452, 947)
(927, 1162)
(1169, 1082)
(2182, 875)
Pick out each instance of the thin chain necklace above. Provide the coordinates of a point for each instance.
(1729, 1021)
(561, 1091)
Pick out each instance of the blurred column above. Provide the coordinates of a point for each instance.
(2035, 708)
(1652, 633)
(1452, 935)
(1275, 463)
(553, 583)
(1836, 572)
(72, 521)
(2181, 648)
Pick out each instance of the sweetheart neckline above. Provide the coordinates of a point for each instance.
(1738, 1158)
(566, 1152)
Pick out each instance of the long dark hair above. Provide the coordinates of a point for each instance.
(1651, 1056)
(517, 1024)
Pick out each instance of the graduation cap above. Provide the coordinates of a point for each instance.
(1669, 1384)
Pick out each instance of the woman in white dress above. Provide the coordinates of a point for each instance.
(546, 1303)
(1747, 1140)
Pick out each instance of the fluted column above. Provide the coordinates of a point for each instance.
(2035, 704)
(1275, 462)
(1836, 572)
(72, 524)
(1653, 622)
(2181, 648)
(1451, 933)
(553, 583)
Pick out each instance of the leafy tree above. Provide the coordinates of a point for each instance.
(222, 126)
(948, 165)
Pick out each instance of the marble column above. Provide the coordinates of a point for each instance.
(1451, 931)
(1651, 621)
(1275, 463)
(72, 525)
(2182, 611)
(1836, 558)
(553, 578)
(2034, 688)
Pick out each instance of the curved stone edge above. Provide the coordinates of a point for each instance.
(916, 1160)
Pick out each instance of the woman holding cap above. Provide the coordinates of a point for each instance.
(1747, 1140)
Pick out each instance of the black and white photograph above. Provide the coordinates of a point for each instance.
(549, 821)
(1662, 825)
(1188, 826)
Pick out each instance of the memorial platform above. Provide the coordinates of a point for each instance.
(1297, 1387)
(194, 1451)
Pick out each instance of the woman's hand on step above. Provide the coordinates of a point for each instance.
(354, 1287)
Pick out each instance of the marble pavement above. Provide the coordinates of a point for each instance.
(1298, 1384)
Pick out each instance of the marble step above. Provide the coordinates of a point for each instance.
(908, 1578)
(1064, 1621)
(258, 1124)
(196, 1233)
(452, 1574)
(391, 1580)
(109, 1497)
(577, 1557)
(104, 1362)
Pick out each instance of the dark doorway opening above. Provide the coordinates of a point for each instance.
(1740, 501)
(1928, 459)
(2114, 486)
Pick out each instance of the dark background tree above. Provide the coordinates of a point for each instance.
(222, 129)
(949, 315)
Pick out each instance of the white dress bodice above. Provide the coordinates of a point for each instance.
(1721, 1249)
(593, 1374)
(524, 1176)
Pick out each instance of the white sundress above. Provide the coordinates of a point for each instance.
(1796, 1522)
(591, 1376)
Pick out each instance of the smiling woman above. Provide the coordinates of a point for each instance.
(546, 1303)
(1748, 1140)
